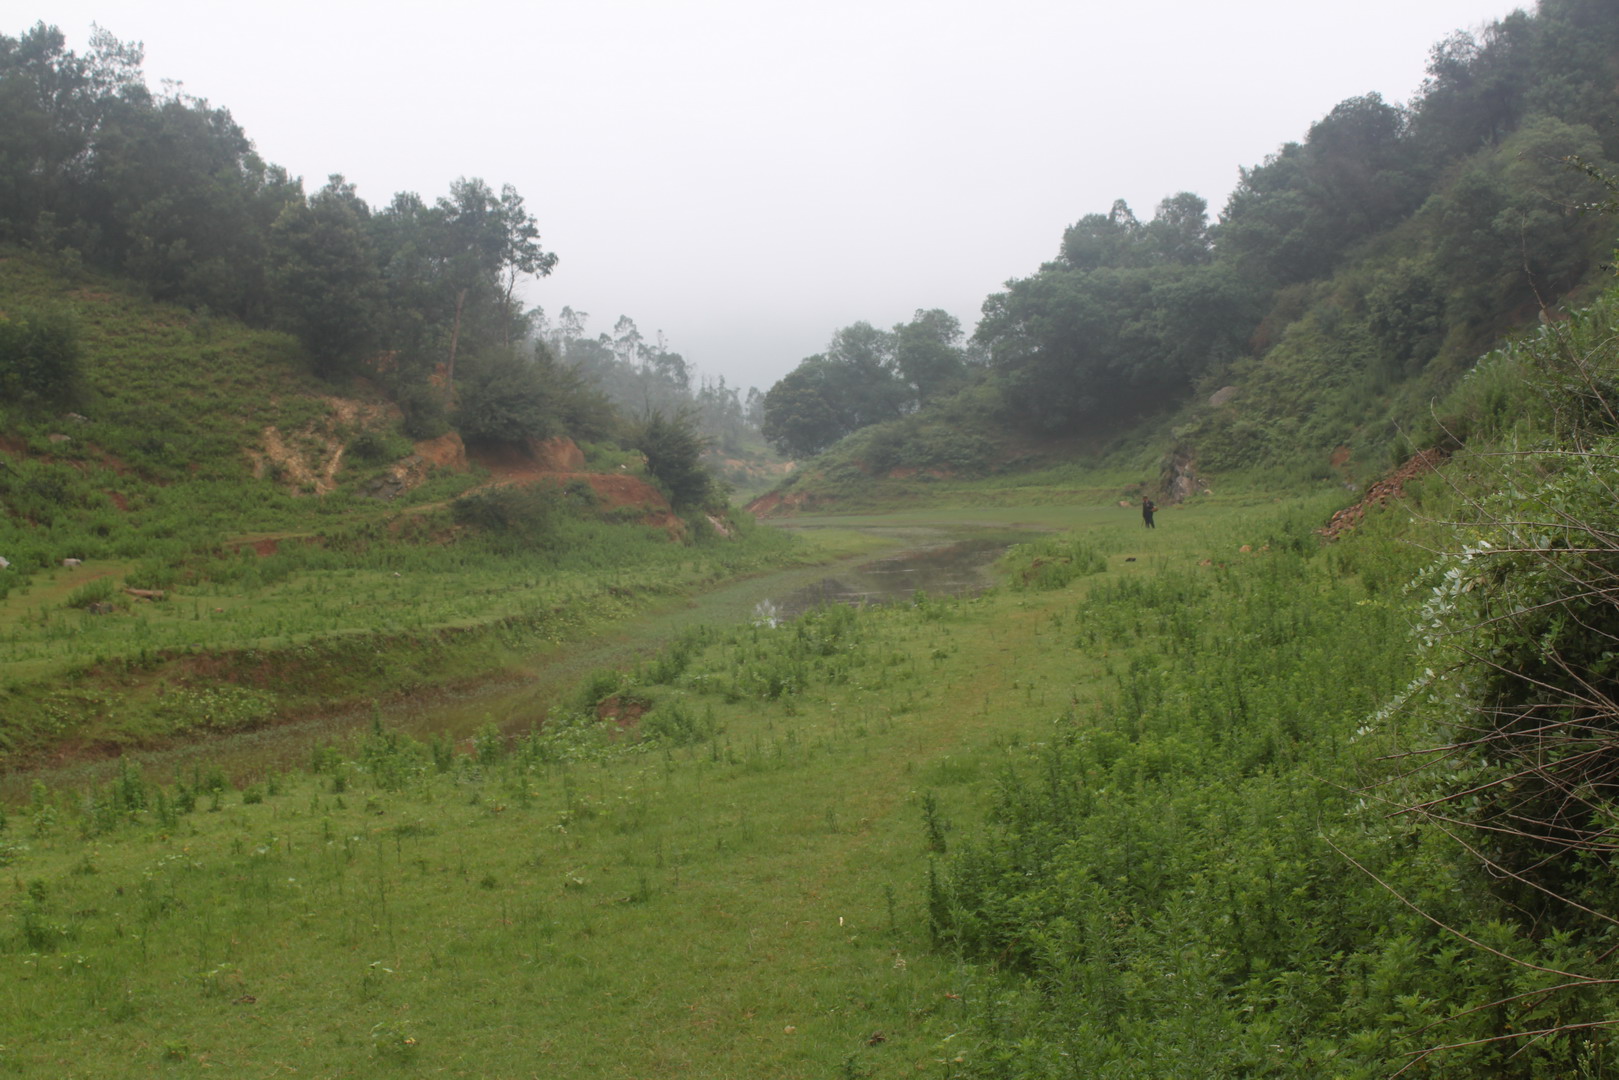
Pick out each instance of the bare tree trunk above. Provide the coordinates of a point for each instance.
(506, 315)
(455, 337)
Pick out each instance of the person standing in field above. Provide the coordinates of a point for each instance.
(1147, 508)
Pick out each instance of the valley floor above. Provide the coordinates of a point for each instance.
(732, 880)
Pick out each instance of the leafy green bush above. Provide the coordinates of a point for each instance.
(423, 406)
(99, 591)
(674, 451)
(41, 357)
(374, 446)
(918, 443)
(504, 398)
(520, 516)
(679, 724)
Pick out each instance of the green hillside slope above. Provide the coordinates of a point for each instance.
(1349, 281)
(205, 537)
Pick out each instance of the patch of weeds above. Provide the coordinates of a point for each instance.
(394, 1039)
(679, 725)
(101, 591)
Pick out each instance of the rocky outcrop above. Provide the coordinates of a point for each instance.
(1179, 480)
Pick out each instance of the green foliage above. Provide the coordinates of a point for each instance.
(1171, 880)
(374, 446)
(41, 357)
(674, 451)
(100, 591)
(425, 414)
(623, 371)
(1052, 563)
(1518, 632)
(1508, 229)
(678, 724)
(327, 284)
(926, 441)
(504, 398)
(866, 376)
(168, 190)
(516, 516)
(1073, 345)
(1294, 217)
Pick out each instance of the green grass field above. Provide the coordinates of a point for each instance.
(735, 886)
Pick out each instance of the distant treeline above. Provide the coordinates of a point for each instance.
(1394, 243)
(641, 376)
(168, 191)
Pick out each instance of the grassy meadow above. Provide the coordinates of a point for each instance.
(1144, 809)
(748, 856)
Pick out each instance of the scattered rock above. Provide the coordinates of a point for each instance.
(1391, 486)
(389, 486)
(1222, 395)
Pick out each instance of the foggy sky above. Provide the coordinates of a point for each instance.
(747, 177)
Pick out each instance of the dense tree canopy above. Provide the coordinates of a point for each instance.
(866, 376)
(1440, 225)
(169, 190)
(1127, 317)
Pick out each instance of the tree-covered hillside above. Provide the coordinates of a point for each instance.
(1350, 277)
(419, 295)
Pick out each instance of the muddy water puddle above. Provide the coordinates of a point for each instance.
(961, 568)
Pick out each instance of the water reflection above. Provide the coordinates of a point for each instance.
(958, 569)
